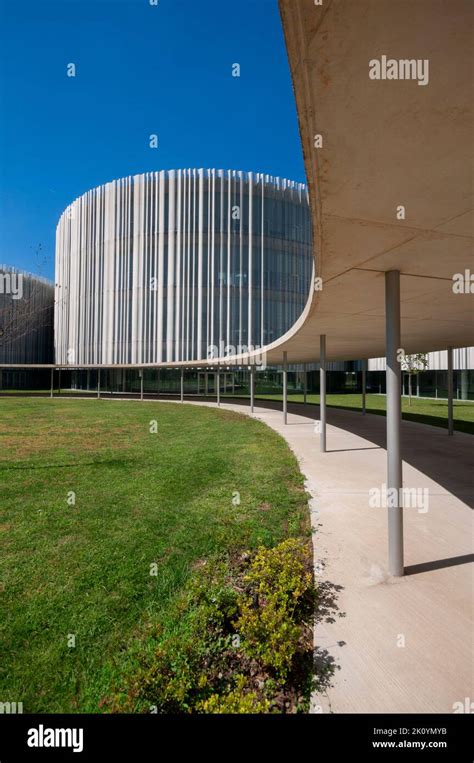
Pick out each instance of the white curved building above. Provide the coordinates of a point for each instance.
(168, 265)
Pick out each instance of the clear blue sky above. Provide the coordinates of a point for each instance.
(140, 69)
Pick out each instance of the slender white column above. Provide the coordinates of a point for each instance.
(177, 354)
(141, 384)
(199, 351)
(228, 263)
(218, 386)
(161, 258)
(394, 458)
(170, 293)
(450, 392)
(52, 383)
(98, 383)
(252, 388)
(285, 389)
(322, 393)
(137, 296)
(364, 384)
(250, 267)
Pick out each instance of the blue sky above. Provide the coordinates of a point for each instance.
(140, 70)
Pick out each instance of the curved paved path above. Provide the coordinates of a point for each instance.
(389, 644)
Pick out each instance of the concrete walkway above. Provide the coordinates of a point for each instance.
(387, 645)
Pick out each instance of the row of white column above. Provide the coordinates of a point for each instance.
(394, 414)
(393, 419)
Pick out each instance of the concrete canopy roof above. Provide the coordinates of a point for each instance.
(385, 143)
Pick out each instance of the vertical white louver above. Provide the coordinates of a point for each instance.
(156, 268)
(26, 317)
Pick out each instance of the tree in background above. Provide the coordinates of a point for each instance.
(413, 365)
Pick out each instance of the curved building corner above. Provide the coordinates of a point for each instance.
(180, 265)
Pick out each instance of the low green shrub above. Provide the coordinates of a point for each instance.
(279, 600)
(237, 701)
(241, 641)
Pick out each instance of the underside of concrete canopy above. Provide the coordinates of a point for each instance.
(386, 144)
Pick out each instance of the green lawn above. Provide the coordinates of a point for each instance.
(83, 570)
(432, 411)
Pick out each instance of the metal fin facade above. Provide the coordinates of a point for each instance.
(178, 265)
(26, 317)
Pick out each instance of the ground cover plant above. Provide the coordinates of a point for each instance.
(240, 640)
